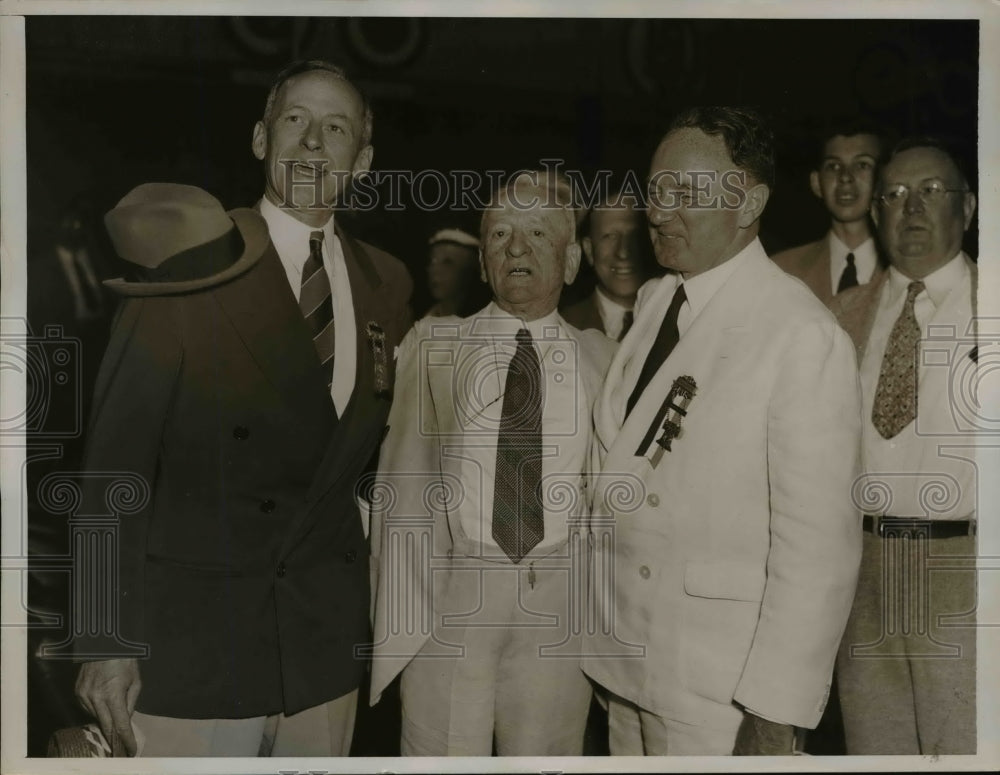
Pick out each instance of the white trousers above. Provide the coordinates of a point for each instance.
(510, 691)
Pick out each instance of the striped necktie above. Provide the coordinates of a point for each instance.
(518, 518)
(316, 303)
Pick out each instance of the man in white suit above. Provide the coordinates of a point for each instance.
(907, 666)
(731, 412)
(480, 500)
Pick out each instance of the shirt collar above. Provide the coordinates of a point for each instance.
(702, 287)
(863, 252)
(505, 324)
(608, 304)
(289, 235)
(938, 283)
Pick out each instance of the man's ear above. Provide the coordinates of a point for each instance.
(814, 184)
(572, 262)
(969, 207)
(588, 249)
(363, 161)
(753, 206)
(259, 142)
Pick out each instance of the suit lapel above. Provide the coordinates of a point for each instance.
(359, 420)
(818, 274)
(594, 313)
(264, 314)
(704, 352)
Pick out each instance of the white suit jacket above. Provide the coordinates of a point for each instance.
(728, 571)
(443, 375)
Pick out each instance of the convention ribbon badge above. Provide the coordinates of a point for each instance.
(376, 340)
(672, 413)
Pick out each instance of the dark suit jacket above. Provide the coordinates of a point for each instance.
(246, 573)
(811, 264)
(584, 314)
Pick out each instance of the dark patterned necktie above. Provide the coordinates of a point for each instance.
(895, 404)
(316, 303)
(849, 277)
(663, 345)
(518, 523)
(627, 319)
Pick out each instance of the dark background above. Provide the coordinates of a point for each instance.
(120, 100)
(116, 101)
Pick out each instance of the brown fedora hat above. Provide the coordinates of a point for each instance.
(179, 238)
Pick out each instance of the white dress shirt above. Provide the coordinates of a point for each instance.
(865, 260)
(699, 290)
(566, 430)
(906, 463)
(612, 314)
(291, 240)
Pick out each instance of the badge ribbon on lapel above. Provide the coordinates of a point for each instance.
(672, 412)
(376, 340)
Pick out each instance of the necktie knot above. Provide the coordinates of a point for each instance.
(316, 243)
(913, 290)
(680, 296)
(523, 336)
(849, 277)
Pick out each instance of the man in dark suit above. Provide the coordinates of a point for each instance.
(249, 402)
(843, 180)
(616, 246)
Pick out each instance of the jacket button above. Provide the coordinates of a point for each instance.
(350, 556)
(644, 571)
(653, 500)
(240, 433)
(267, 506)
(280, 570)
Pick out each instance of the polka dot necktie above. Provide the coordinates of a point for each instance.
(895, 404)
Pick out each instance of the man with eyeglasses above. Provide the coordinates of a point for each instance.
(727, 432)
(843, 180)
(907, 665)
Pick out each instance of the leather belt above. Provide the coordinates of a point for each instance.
(932, 528)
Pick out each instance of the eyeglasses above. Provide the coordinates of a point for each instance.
(930, 193)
